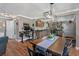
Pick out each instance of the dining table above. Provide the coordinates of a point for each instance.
(55, 45)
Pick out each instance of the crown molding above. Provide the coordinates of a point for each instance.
(67, 12)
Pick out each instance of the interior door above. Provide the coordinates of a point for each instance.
(10, 28)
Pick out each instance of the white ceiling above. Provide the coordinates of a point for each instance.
(60, 7)
(28, 9)
(35, 10)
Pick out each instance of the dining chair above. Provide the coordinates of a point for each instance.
(31, 52)
(3, 45)
(33, 45)
(51, 53)
(65, 51)
(40, 52)
(67, 47)
(68, 42)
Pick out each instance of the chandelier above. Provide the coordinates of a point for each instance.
(49, 14)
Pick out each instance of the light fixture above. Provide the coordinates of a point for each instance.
(49, 14)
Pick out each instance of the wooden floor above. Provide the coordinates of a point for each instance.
(74, 52)
(15, 48)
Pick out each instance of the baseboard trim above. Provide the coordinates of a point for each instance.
(77, 48)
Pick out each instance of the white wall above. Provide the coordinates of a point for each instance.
(22, 20)
(18, 25)
(77, 31)
(65, 18)
(69, 28)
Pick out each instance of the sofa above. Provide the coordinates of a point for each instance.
(3, 45)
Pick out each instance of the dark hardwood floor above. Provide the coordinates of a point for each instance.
(15, 48)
